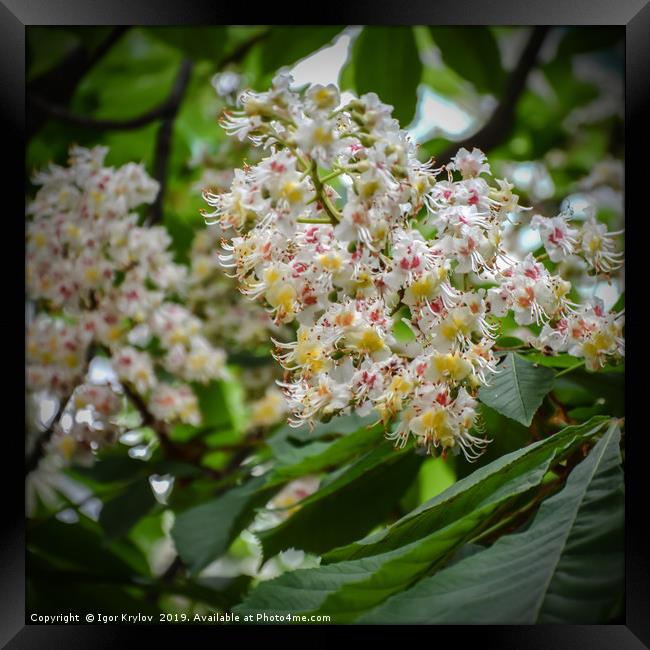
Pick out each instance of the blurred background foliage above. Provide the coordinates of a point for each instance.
(546, 105)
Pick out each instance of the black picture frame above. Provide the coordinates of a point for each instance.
(16, 15)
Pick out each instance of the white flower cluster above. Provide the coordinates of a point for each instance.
(395, 246)
(88, 423)
(591, 241)
(588, 332)
(102, 283)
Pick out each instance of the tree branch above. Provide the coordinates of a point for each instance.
(58, 84)
(168, 107)
(500, 125)
(164, 139)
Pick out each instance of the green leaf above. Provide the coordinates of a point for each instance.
(517, 390)
(473, 53)
(509, 342)
(358, 499)
(198, 43)
(82, 546)
(506, 436)
(284, 438)
(121, 513)
(602, 387)
(587, 39)
(435, 476)
(222, 404)
(402, 332)
(555, 361)
(294, 462)
(620, 303)
(112, 466)
(567, 567)
(204, 532)
(387, 62)
(286, 45)
(139, 69)
(477, 493)
(46, 48)
(407, 550)
(570, 91)
(60, 591)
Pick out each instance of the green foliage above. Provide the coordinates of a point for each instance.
(296, 461)
(360, 497)
(473, 53)
(205, 532)
(566, 567)
(222, 404)
(503, 477)
(517, 389)
(579, 41)
(287, 45)
(202, 43)
(386, 62)
(81, 547)
(123, 511)
(362, 575)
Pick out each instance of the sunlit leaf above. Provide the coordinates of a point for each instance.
(517, 389)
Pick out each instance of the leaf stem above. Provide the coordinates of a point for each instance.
(332, 175)
(566, 371)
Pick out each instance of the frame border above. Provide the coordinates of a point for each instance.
(15, 15)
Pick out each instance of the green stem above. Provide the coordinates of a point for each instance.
(513, 347)
(309, 220)
(332, 175)
(312, 171)
(332, 212)
(566, 371)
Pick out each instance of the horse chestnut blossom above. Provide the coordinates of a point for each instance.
(105, 285)
(344, 233)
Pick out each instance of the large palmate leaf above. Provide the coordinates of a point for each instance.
(567, 567)
(387, 62)
(518, 389)
(409, 549)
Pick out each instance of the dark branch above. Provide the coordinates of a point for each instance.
(69, 117)
(500, 125)
(164, 139)
(58, 84)
(168, 107)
